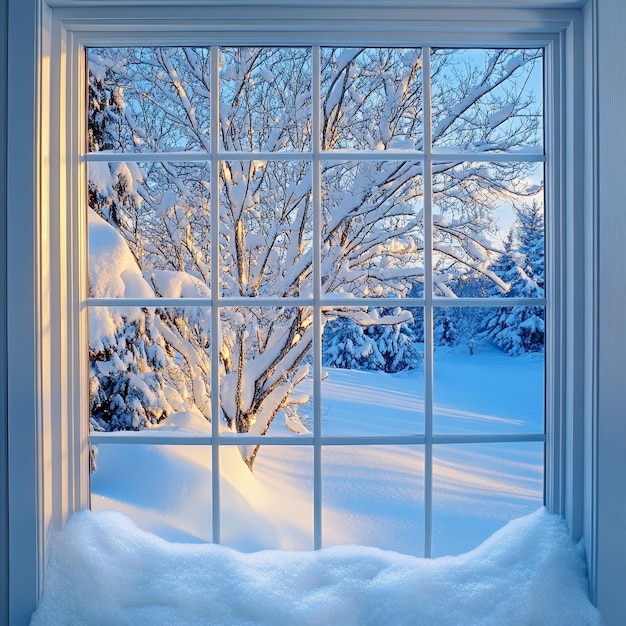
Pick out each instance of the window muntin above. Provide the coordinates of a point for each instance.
(407, 153)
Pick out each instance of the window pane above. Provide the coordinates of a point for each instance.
(478, 488)
(265, 229)
(150, 222)
(270, 508)
(487, 100)
(489, 370)
(374, 496)
(265, 99)
(163, 489)
(372, 233)
(147, 364)
(373, 380)
(264, 361)
(372, 99)
(488, 233)
(148, 99)
(149, 230)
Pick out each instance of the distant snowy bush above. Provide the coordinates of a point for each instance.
(386, 347)
(521, 329)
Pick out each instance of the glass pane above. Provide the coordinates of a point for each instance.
(488, 230)
(264, 363)
(265, 99)
(374, 496)
(487, 100)
(148, 99)
(478, 488)
(372, 232)
(489, 370)
(268, 506)
(265, 229)
(147, 365)
(165, 490)
(372, 99)
(373, 376)
(149, 230)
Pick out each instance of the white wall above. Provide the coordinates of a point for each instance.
(4, 484)
(21, 378)
(608, 469)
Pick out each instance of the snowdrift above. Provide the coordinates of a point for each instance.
(104, 570)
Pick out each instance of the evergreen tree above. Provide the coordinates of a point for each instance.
(445, 327)
(386, 347)
(127, 376)
(521, 329)
(454, 326)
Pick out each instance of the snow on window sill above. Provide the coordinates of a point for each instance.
(104, 570)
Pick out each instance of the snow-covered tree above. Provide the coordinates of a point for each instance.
(158, 99)
(372, 346)
(127, 376)
(127, 354)
(521, 329)
(148, 362)
(460, 326)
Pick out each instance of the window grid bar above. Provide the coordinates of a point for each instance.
(140, 437)
(326, 155)
(439, 156)
(215, 312)
(220, 302)
(316, 145)
(428, 305)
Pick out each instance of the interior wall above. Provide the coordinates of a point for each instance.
(22, 376)
(4, 433)
(609, 433)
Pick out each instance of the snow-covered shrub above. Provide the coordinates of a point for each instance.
(521, 329)
(378, 346)
(126, 375)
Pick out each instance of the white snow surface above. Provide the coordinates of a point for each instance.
(172, 284)
(114, 272)
(104, 570)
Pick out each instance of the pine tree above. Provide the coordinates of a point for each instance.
(445, 327)
(386, 347)
(459, 326)
(521, 329)
(127, 376)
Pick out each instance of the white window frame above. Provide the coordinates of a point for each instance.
(54, 337)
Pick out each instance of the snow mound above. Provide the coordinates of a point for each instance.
(113, 273)
(171, 284)
(104, 570)
(113, 270)
(188, 422)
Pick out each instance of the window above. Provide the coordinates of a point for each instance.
(48, 377)
(339, 253)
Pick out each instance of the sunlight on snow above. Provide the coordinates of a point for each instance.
(371, 495)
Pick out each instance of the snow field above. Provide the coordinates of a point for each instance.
(371, 495)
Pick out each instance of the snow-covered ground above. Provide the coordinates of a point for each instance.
(106, 569)
(371, 495)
